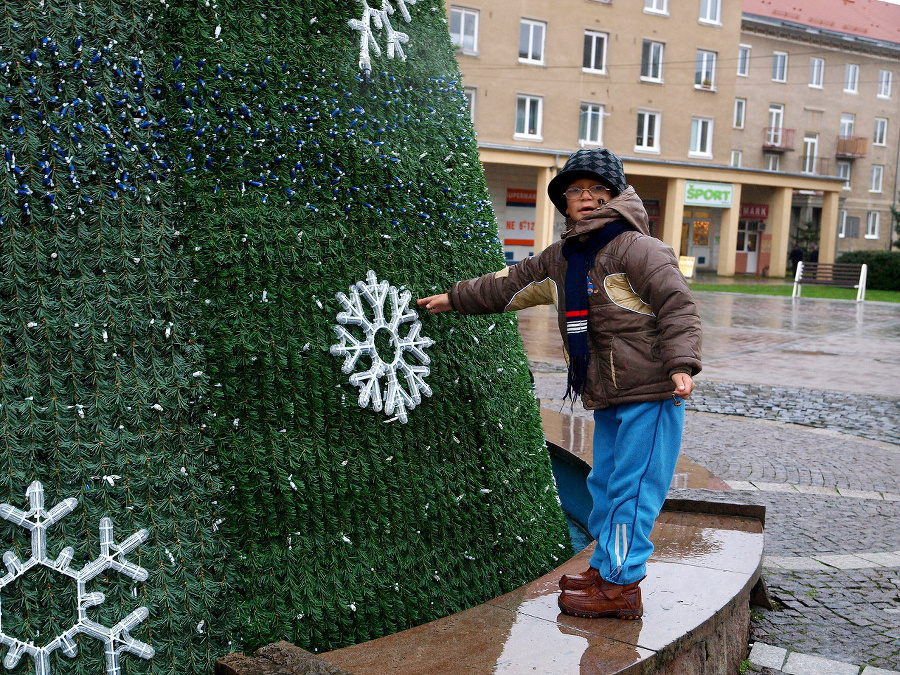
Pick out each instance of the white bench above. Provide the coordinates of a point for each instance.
(843, 275)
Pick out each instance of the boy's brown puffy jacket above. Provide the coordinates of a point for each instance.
(643, 325)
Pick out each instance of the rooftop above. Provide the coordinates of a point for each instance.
(869, 19)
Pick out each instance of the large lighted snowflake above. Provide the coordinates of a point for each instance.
(381, 18)
(390, 362)
(112, 556)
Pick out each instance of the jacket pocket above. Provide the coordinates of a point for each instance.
(634, 360)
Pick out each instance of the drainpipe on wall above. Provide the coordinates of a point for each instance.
(894, 200)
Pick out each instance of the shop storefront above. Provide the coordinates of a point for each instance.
(703, 205)
(754, 248)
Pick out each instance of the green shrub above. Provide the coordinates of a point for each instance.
(884, 268)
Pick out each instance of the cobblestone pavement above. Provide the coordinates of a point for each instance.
(812, 433)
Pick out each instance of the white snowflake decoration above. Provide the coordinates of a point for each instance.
(112, 556)
(393, 398)
(381, 18)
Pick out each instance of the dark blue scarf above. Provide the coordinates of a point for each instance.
(580, 256)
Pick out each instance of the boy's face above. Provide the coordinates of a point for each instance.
(586, 202)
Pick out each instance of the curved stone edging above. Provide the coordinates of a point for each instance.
(697, 616)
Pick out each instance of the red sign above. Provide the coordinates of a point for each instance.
(754, 211)
(519, 197)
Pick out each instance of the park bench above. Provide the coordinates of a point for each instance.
(843, 275)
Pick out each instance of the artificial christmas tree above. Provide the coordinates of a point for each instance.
(188, 187)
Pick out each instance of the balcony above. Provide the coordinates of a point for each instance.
(817, 166)
(778, 139)
(851, 147)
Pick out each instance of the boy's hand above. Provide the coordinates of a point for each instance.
(436, 303)
(684, 384)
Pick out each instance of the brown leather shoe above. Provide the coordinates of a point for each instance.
(579, 582)
(604, 599)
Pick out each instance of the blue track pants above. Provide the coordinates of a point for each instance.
(636, 447)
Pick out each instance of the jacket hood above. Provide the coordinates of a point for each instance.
(626, 206)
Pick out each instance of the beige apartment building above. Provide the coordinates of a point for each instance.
(656, 82)
(816, 93)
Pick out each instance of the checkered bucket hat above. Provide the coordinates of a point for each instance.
(597, 163)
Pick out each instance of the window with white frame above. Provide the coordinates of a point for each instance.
(810, 153)
(711, 11)
(736, 158)
(531, 41)
(877, 178)
(772, 161)
(470, 100)
(701, 137)
(843, 171)
(879, 135)
(872, 218)
(848, 122)
(775, 130)
(590, 126)
(885, 78)
(816, 72)
(647, 139)
(651, 61)
(656, 6)
(529, 111)
(779, 66)
(705, 70)
(851, 78)
(740, 111)
(464, 29)
(743, 64)
(594, 60)
(842, 224)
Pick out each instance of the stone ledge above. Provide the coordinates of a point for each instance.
(279, 658)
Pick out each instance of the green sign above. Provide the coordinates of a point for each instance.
(714, 195)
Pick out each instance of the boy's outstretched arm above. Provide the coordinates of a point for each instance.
(436, 303)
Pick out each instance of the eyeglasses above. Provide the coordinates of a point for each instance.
(596, 191)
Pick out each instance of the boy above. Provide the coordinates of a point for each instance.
(632, 335)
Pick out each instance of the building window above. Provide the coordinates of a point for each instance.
(775, 130)
(884, 83)
(647, 131)
(531, 41)
(464, 29)
(879, 136)
(594, 60)
(877, 177)
(528, 117)
(590, 128)
(772, 161)
(843, 171)
(705, 70)
(816, 72)
(736, 158)
(743, 66)
(651, 61)
(851, 78)
(779, 67)
(656, 6)
(701, 137)
(848, 122)
(470, 101)
(740, 110)
(810, 153)
(711, 11)
(872, 218)
(842, 224)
